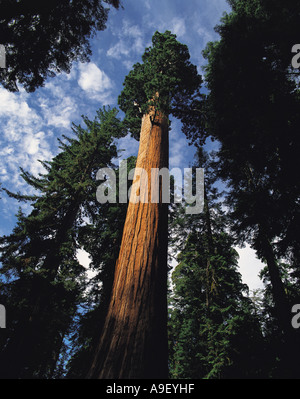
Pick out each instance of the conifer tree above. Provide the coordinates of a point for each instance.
(252, 109)
(280, 365)
(134, 339)
(213, 332)
(44, 279)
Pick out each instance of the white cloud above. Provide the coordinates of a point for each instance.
(60, 114)
(95, 82)
(57, 108)
(23, 141)
(32, 142)
(129, 146)
(177, 154)
(16, 114)
(83, 258)
(205, 34)
(131, 30)
(92, 78)
(181, 154)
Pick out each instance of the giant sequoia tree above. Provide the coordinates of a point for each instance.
(43, 39)
(134, 339)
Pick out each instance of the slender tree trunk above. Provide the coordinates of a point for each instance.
(282, 305)
(210, 251)
(290, 351)
(279, 295)
(134, 339)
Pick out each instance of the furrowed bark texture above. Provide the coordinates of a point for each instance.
(134, 338)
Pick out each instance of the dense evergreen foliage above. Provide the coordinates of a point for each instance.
(253, 110)
(42, 39)
(213, 329)
(166, 80)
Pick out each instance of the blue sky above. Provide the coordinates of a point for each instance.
(30, 123)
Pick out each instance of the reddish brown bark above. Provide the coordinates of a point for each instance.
(134, 339)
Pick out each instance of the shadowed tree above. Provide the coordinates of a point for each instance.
(253, 110)
(43, 39)
(41, 278)
(213, 332)
(134, 340)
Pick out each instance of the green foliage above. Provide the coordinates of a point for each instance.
(166, 80)
(42, 40)
(252, 109)
(213, 331)
(44, 280)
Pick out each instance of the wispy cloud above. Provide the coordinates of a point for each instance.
(57, 107)
(128, 146)
(130, 43)
(178, 26)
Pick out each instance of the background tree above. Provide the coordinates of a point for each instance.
(253, 110)
(213, 331)
(44, 280)
(278, 358)
(134, 339)
(42, 40)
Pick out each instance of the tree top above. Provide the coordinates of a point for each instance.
(166, 79)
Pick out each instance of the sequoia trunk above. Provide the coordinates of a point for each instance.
(134, 338)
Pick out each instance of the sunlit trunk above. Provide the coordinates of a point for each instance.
(134, 339)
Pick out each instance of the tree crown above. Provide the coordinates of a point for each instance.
(166, 80)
